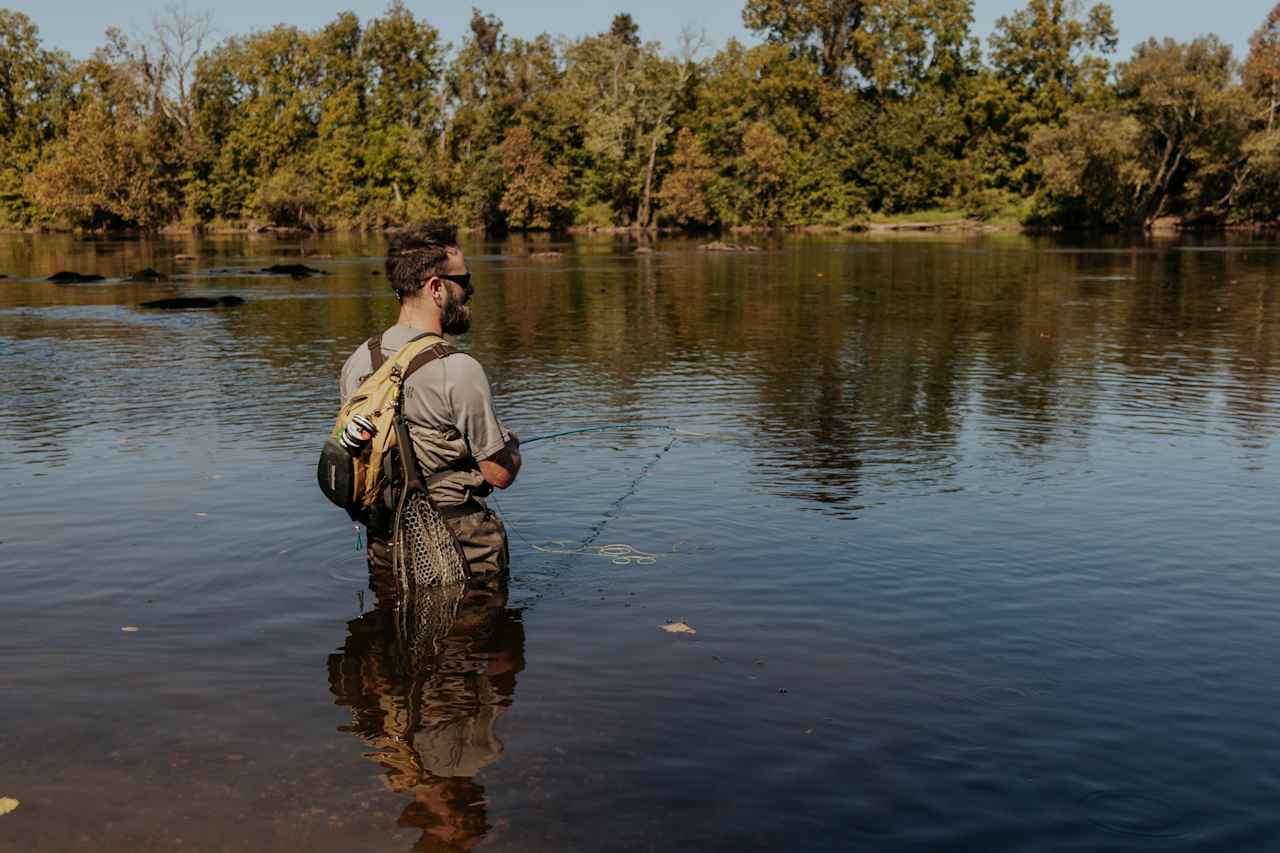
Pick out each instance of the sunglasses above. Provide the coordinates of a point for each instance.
(462, 279)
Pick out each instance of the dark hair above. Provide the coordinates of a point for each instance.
(417, 253)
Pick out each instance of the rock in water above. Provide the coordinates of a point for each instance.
(147, 274)
(728, 247)
(178, 303)
(292, 270)
(66, 277)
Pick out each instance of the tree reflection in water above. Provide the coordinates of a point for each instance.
(425, 687)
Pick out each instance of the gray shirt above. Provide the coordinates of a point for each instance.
(449, 408)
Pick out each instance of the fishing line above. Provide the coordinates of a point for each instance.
(635, 426)
(619, 553)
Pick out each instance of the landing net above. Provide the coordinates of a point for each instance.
(425, 554)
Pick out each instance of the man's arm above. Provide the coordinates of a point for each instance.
(496, 448)
(500, 470)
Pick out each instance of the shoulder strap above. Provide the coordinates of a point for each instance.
(377, 359)
(427, 356)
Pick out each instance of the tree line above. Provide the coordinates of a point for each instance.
(848, 109)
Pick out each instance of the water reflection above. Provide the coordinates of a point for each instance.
(425, 687)
(853, 369)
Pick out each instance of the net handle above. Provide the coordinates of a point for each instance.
(409, 459)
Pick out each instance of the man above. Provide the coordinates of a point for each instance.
(461, 446)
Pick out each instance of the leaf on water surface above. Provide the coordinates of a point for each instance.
(678, 628)
(130, 629)
(7, 804)
(200, 514)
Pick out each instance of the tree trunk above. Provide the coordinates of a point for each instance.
(646, 199)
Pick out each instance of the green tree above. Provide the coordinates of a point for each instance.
(825, 31)
(1047, 59)
(1260, 191)
(1262, 68)
(258, 102)
(622, 97)
(894, 45)
(494, 83)
(1173, 144)
(35, 100)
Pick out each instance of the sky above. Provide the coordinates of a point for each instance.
(77, 26)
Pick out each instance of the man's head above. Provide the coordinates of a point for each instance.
(424, 263)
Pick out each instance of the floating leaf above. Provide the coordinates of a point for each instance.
(7, 804)
(200, 514)
(678, 628)
(130, 629)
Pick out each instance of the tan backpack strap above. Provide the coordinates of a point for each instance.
(376, 357)
(427, 356)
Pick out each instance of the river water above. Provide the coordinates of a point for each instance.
(978, 537)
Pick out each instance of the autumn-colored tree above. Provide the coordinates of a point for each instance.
(109, 171)
(762, 170)
(683, 197)
(120, 162)
(535, 194)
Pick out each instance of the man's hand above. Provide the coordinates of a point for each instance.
(500, 469)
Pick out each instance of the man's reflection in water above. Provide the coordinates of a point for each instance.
(426, 686)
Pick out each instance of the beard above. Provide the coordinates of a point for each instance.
(457, 316)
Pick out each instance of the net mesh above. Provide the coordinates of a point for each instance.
(425, 619)
(426, 555)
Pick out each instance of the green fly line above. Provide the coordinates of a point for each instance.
(635, 426)
(619, 553)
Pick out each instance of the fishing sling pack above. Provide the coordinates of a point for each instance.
(355, 481)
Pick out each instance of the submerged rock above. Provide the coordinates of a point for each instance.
(728, 247)
(147, 274)
(181, 302)
(66, 277)
(279, 230)
(292, 270)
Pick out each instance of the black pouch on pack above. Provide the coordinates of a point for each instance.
(336, 474)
